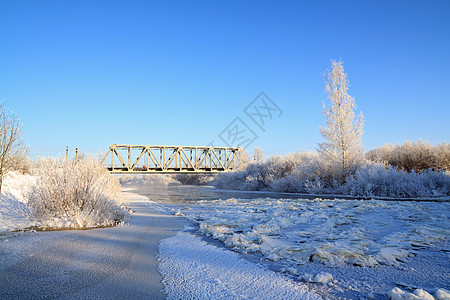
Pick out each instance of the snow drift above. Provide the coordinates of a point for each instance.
(193, 269)
(12, 203)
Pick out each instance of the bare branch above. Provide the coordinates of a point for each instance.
(12, 151)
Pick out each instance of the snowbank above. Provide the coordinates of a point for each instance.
(418, 294)
(193, 269)
(12, 202)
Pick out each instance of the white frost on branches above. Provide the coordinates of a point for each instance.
(343, 133)
(12, 150)
(80, 193)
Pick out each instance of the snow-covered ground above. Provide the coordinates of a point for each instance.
(105, 263)
(12, 202)
(256, 247)
(194, 269)
(343, 248)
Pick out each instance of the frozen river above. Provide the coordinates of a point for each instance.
(367, 246)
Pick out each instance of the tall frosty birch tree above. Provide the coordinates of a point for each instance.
(342, 149)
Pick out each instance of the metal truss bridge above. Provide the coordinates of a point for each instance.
(170, 159)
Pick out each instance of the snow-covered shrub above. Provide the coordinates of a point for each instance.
(309, 173)
(22, 164)
(282, 166)
(382, 181)
(295, 178)
(243, 159)
(194, 179)
(80, 193)
(289, 184)
(413, 156)
(255, 177)
(230, 180)
(303, 172)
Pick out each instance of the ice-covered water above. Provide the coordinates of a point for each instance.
(333, 232)
(368, 246)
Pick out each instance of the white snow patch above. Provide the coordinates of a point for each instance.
(193, 269)
(322, 277)
(399, 294)
(442, 294)
(12, 202)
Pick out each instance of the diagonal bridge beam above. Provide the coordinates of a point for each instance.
(146, 159)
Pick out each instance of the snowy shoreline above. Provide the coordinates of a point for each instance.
(328, 196)
(103, 263)
(198, 270)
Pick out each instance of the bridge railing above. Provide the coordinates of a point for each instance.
(170, 159)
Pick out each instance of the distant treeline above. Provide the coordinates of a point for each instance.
(407, 170)
(413, 156)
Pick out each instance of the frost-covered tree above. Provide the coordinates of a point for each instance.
(343, 131)
(442, 156)
(258, 155)
(12, 150)
(243, 159)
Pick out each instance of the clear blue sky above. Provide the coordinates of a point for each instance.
(91, 73)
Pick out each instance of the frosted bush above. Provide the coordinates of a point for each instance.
(409, 156)
(80, 193)
(306, 172)
(289, 184)
(231, 180)
(195, 179)
(320, 186)
(279, 173)
(379, 180)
